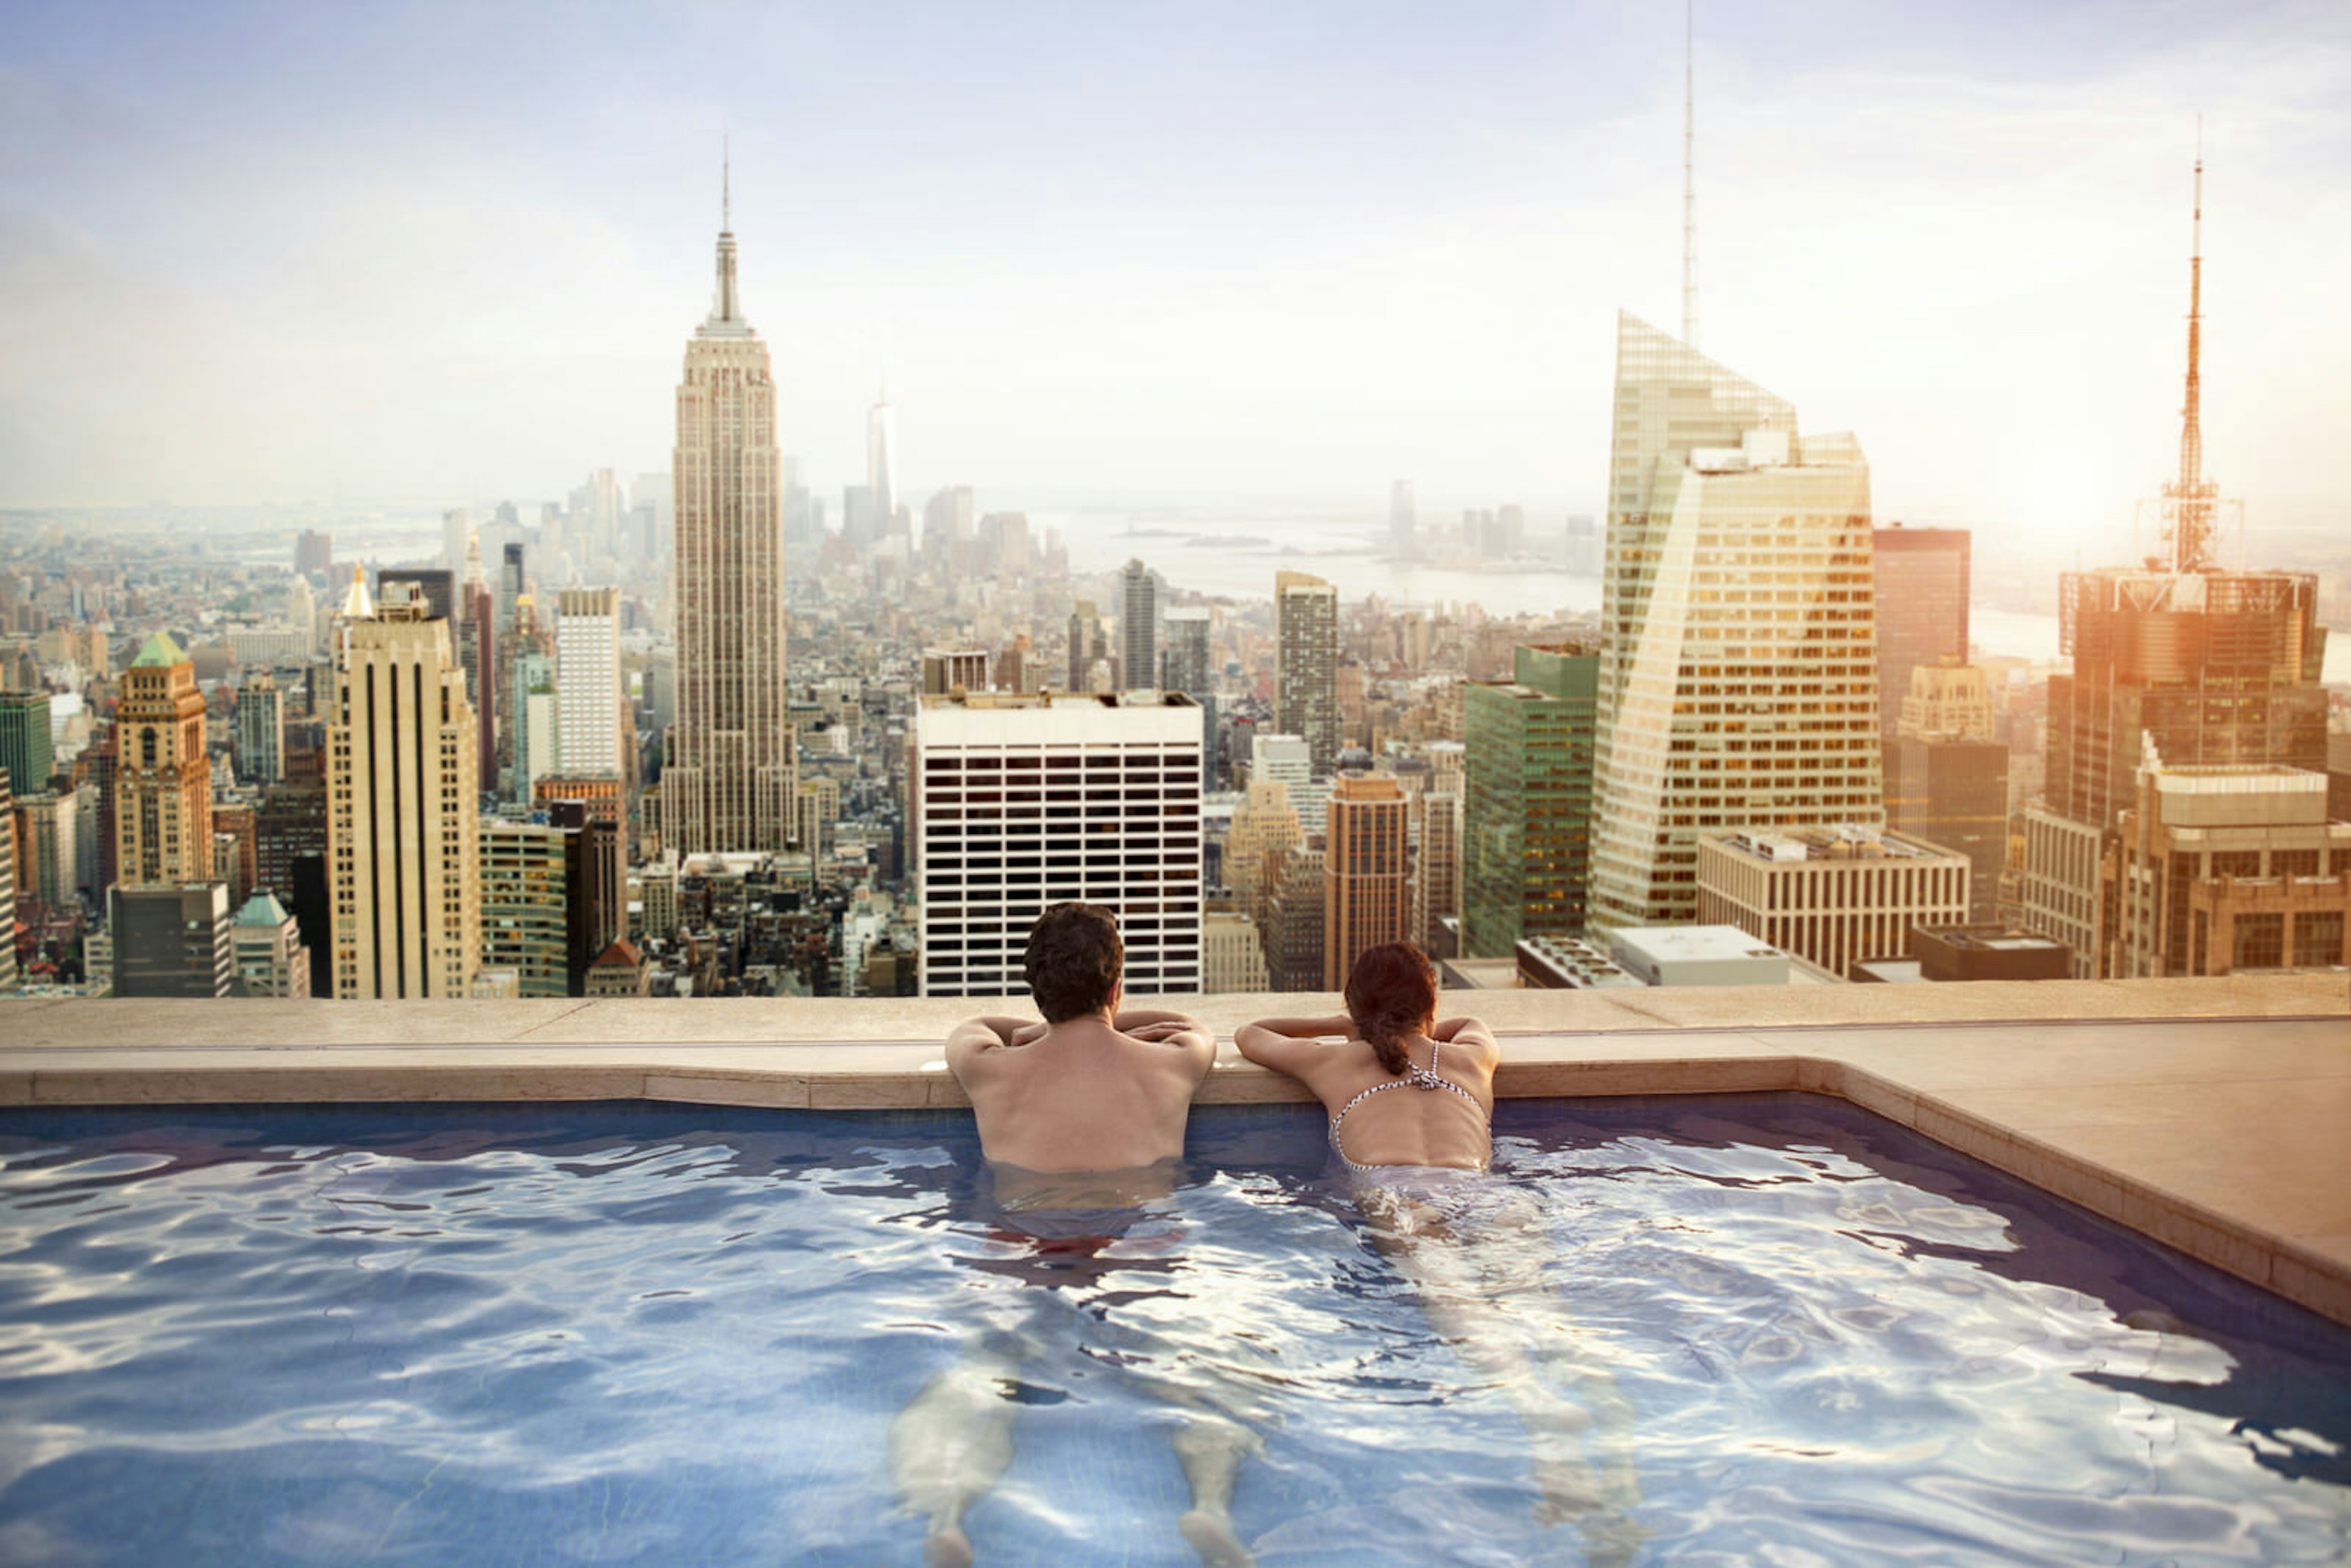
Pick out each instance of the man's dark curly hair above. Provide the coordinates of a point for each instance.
(1074, 960)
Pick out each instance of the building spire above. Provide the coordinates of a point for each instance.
(727, 309)
(2191, 500)
(1690, 173)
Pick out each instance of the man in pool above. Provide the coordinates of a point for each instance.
(1082, 1118)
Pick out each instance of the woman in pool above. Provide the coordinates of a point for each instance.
(1404, 1092)
(1411, 1102)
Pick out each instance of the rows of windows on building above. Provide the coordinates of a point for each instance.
(687, 737)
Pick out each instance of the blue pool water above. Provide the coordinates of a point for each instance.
(632, 1334)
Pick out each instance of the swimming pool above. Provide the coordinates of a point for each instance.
(629, 1334)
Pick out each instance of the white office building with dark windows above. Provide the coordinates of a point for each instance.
(1023, 801)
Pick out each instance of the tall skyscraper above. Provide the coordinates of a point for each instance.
(1138, 627)
(314, 553)
(1365, 867)
(1025, 801)
(162, 782)
(882, 464)
(456, 536)
(588, 682)
(1088, 645)
(1947, 778)
(1188, 668)
(1527, 815)
(1306, 664)
(2177, 663)
(260, 730)
(1403, 519)
(402, 809)
(24, 747)
(1921, 589)
(731, 781)
(1738, 665)
(511, 586)
(1264, 827)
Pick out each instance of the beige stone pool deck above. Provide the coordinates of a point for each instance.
(2214, 1115)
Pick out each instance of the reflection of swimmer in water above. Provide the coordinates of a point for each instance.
(1411, 1102)
(1082, 1118)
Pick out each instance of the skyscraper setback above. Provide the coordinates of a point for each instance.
(731, 782)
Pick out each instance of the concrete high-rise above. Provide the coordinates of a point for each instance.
(2229, 869)
(731, 782)
(172, 940)
(1834, 896)
(1947, 778)
(588, 682)
(162, 780)
(1921, 586)
(1024, 802)
(1527, 811)
(1138, 628)
(402, 795)
(1306, 664)
(1737, 666)
(1365, 868)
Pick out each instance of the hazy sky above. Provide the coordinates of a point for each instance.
(452, 253)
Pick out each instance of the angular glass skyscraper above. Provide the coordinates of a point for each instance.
(1739, 660)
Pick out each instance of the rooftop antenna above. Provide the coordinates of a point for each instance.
(725, 182)
(1689, 173)
(2189, 503)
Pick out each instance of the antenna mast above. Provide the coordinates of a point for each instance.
(2189, 503)
(1689, 175)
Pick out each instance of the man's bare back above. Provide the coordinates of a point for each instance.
(1103, 1091)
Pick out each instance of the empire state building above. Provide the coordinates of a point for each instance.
(730, 781)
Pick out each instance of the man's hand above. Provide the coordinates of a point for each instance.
(1165, 1029)
(1027, 1034)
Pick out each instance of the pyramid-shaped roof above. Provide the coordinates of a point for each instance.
(160, 653)
(262, 909)
(619, 953)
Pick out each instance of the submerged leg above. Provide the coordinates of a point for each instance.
(1477, 1294)
(952, 1443)
(1210, 1449)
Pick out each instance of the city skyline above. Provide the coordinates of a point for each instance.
(1896, 214)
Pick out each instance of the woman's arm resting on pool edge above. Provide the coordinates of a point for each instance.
(1286, 1045)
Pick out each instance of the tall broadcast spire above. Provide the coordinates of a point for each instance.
(2191, 502)
(727, 309)
(1690, 173)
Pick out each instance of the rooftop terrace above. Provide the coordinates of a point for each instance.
(2214, 1115)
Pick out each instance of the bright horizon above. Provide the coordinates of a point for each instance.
(260, 252)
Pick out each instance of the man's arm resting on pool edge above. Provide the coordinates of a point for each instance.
(973, 1038)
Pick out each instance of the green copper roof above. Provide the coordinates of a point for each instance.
(262, 909)
(160, 653)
